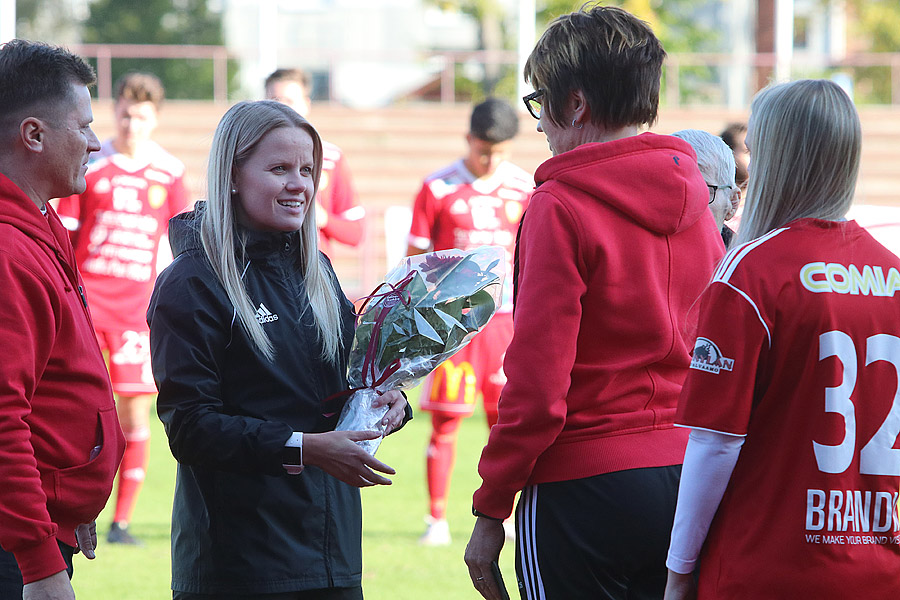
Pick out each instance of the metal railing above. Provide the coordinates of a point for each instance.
(762, 66)
(105, 53)
(684, 73)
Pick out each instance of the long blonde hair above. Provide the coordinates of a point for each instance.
(235, 139)
(805, 142)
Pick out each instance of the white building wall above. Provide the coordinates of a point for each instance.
(738, 20)
(371, 51)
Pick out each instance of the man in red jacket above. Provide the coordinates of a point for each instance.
(60, 441)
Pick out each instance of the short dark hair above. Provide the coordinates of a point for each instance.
(138, 86)
(609, 54)
(732, 134)
(296, 75)
(494, 121)
(37, 76)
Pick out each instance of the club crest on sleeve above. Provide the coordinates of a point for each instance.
(707, 357)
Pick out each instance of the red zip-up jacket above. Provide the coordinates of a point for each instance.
(616, 246)
(56, 403)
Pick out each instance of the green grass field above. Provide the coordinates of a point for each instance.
(395, 567)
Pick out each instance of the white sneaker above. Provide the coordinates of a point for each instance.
(436, 534)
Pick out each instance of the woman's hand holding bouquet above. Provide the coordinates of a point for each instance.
(428, 307)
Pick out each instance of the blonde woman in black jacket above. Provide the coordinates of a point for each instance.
(250, 333)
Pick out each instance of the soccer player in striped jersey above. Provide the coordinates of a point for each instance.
(477, 200)
(339, 217)
(133, 188)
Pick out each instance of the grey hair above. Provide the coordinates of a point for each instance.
(805, 141)
(236, 137)
(714, 157)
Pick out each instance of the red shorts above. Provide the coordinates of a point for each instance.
(454, 386)
(128, 355)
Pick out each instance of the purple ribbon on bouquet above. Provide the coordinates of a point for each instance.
(397, 294)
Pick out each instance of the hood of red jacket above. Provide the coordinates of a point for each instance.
(625, 174)
(20, 212)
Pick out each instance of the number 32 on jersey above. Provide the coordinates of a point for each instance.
(878, 456)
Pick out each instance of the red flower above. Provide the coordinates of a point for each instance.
(433, 266)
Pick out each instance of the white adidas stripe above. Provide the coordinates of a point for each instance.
(531, 573)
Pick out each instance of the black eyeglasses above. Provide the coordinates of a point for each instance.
(714, 189)
(533, 103)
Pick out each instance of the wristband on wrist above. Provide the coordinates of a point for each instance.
(292, 454)
(481, 514)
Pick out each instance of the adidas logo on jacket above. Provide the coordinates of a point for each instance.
(264, 315)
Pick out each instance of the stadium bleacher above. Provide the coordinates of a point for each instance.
(391, 149)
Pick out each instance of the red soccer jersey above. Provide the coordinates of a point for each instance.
(338, 197)
(116, 225)
(799, 350)
(456, 210)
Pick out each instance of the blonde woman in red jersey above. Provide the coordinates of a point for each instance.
(790, 478)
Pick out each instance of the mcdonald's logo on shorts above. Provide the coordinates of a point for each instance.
(454, 387)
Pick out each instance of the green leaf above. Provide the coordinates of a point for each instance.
(481, 309)
(451, 313)
(425, 328)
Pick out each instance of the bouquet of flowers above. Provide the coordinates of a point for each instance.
(428, 307)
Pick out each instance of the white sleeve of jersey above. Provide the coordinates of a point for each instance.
(709, 460)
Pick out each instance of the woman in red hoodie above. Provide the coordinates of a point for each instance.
(614, 249)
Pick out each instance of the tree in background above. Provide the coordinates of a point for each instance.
(161, 22)
(680, 28)
(496, 32)
(674, 22)
(874, 27)
(47, 20)
(877, 24)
